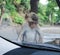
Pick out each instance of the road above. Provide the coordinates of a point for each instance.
(51, 29)
(9, 33)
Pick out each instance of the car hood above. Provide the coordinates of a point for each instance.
(48, 47)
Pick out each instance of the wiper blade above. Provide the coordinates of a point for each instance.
(34, 46)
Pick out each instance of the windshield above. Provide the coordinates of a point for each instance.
(30, 24)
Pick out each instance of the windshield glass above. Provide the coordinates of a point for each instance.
(31, 23)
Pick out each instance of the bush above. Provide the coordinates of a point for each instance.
(17, 18)
(43, 19)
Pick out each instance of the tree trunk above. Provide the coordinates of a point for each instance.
(2, 11)
(58, 2)
(34, 5)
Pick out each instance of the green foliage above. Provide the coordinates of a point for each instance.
(12, 10)
(26, 3)
(10, 7)
(42, 14)
(44, 11)
(17, 1)
(51, 11)
(43, 19)
(17, 18)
